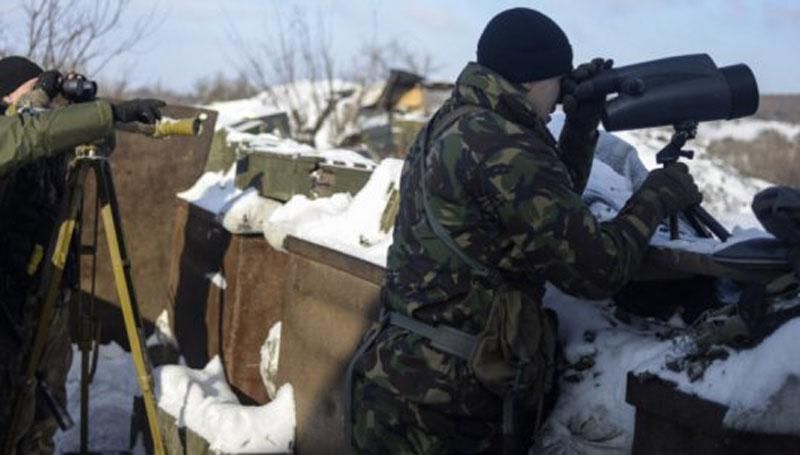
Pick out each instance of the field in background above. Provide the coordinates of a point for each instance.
(771, 156)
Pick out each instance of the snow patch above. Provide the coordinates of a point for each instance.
(247, 213)
(268, 368)
(110, 402)
(745, 129)
(202, 401)
(213, 191)
(217, 280)
(348, 224)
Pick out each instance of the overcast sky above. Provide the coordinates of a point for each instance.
(192, 39)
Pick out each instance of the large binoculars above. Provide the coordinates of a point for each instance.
(671, 91)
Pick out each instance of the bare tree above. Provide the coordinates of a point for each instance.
(376, 60)
(221, 88)
(76, 35)
(294, 54)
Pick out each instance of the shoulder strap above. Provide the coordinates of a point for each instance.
(479, 269)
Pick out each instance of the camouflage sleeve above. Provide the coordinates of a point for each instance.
(556, 236)
(576, 149)
(24, 138)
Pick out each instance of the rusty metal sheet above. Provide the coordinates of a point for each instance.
(147, 174)
(231, 320)
(326, 310)
(252, 304)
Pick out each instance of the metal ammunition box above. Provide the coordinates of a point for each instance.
(281, 176)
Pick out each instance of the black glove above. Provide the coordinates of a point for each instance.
(139, 110)
(675, 188)
(50, 83)
(584, 114)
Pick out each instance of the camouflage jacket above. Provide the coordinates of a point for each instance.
(509, 196)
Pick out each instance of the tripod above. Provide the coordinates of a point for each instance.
(69, 221)
(701, 221)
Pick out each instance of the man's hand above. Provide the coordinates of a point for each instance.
(675, 187)
(139, 110)
(584, 114)
(50, 83)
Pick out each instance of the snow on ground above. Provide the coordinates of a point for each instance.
(198, 399)
(110, 402)
(591, 415)
(746, 129)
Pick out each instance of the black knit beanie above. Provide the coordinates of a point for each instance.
(524, 45)
(15, 71)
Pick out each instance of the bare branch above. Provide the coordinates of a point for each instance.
(79, 35)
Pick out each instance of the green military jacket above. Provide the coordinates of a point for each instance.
(25, 138)
(510, 196)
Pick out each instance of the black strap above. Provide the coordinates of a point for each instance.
(480, 270)
(442, 337)
(366, 343)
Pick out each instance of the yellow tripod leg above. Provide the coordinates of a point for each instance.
(130, 313)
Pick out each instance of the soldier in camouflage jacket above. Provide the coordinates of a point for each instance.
(509, 196)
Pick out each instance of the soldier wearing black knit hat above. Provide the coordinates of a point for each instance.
(463, 360)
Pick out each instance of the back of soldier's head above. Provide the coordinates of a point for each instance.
(524, 45)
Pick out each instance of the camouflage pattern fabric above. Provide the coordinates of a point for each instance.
(510, 197)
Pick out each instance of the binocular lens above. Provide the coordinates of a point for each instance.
(744, 90)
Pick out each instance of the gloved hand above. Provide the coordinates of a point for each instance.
(675, 188)
(138, 110)
(584, 114)
(50, 83)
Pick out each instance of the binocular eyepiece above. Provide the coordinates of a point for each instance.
(79, 89)
(672, 91)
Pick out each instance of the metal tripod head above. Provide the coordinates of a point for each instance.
(700, 220)
(673, 151)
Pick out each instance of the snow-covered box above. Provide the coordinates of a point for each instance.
(281, 168)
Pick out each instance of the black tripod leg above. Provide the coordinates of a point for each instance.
(709, 221)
